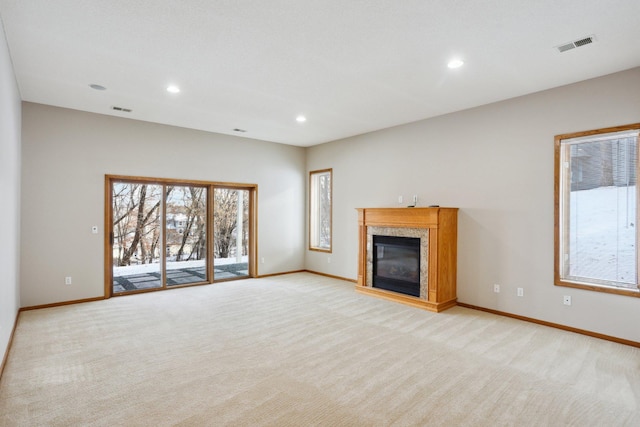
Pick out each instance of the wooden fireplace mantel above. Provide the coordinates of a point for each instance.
(442, 224)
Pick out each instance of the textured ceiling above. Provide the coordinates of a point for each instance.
(350, 66)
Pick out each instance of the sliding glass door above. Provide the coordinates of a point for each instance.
(185, 227)
(136, 231)
(231, 233)
(163, 233)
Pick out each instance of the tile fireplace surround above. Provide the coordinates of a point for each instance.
(437, 229)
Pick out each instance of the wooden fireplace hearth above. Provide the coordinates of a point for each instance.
(438, 229)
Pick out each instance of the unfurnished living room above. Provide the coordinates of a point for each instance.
(334, 213)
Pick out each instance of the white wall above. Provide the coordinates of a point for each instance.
(496, 164)
(66, 155)
(10, 117)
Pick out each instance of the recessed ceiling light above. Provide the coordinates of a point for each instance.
(455, 63)
(301, 119)
(97, 87)
(173, 89)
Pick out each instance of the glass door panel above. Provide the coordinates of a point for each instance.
(186, 219)
(231, 233)
(137, 236)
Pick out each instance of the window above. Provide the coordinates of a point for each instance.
(320, 195)
(596, 210)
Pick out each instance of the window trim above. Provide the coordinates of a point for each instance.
(311, 222)
(559, 207)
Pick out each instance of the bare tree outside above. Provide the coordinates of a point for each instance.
(226, 205)
(149, 219)
(186, 223)
(136, 211)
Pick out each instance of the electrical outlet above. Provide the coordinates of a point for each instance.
(399, 199)
(496, 288)
(67, 280)
(328, 260)
(520, 292)
(94, 229)
(415, 200)
(566, 300)
(262, 260)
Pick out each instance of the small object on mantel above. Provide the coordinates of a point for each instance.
(434, 206)
(411, 206)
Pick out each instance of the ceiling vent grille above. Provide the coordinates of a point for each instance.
(124, 110)
(576, 43)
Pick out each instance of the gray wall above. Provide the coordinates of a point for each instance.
(10, 189)
(66, 155)
(496, 164)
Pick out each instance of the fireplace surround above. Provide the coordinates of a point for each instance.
(436, 231)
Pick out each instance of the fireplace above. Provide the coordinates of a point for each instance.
(409, 255)
(396, 264)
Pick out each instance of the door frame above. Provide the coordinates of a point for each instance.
(210, 186)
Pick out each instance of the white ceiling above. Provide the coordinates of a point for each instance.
(350, 66)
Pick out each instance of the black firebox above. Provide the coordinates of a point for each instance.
(396, 264)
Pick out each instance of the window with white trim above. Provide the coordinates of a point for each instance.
(320, 198)
(596, 210)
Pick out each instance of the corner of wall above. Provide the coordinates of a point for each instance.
(10, 185)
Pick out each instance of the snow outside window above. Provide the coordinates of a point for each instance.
(596, 211)
(320, 194)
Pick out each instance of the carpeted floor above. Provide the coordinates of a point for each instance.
(300, 350)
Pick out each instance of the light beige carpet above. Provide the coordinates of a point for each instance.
(300, 350)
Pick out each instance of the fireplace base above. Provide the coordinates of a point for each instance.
(437, 229)
(406, 299)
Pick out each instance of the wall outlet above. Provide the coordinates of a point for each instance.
(67, 280)
(520, 292)
(400, 199)
(566, 300)
(94, 229)
(328, 260)
(415, 200)
(262, 260)
(496, 288)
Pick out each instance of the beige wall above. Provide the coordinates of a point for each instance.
(10, 190)
(66, 155)
(496, 164)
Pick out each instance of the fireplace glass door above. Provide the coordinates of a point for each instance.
(396, 264)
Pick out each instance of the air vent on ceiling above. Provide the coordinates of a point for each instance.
(124, 110)
(576, 43)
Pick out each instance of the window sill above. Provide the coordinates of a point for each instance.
(327, 251)
(598, 288)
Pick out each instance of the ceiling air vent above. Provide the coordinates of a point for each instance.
(576, 43)
(124, 110)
